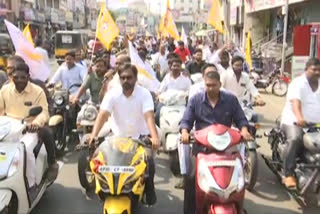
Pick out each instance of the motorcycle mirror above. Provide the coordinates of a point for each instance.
(35, 111)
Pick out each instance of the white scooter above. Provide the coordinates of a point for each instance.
(170, 116)
(15, 194)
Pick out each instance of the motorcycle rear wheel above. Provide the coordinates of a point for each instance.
(251, 169)
(280, 88)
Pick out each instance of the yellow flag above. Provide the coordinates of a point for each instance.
(107, 29)
(27, 33)
(214, 17)
(167, 25)
(248, 51)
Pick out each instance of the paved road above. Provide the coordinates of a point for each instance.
(66, 195)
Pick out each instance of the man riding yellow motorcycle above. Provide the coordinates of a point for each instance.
(132, 110)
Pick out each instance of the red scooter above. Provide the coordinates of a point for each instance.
(220, 181)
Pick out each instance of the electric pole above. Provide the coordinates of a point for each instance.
(284, 44)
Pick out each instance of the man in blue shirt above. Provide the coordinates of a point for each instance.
(204, 109)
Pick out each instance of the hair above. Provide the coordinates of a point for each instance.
(100, 60)
(128, 66)
(236, 59)
(172, 55)
(16, 59)
(71, 53)
(213, 75)
(177, 60)
(21, 67)
(38, 42)
(127, 59)
(180, 43)
(311, 62)
(197, 50)
(224, 54)
(207, 65)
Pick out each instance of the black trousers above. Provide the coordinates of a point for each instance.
(46, 136)
(294, 136)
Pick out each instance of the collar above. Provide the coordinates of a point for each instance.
(205, 99)
(97, 77)
(174, 78)
(27, 89)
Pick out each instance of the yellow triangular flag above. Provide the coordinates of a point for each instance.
(27, 33)
(107, 29)
(167, 25)
(248, 51)
(214, 17)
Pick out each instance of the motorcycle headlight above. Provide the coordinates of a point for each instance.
(58, 100)
(90, 114)
(14, 164)
(219, 142)
(104, 185)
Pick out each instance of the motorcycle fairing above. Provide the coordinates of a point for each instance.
(118, 204)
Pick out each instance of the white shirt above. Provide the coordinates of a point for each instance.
(181, 83)
(160, 59)
(221, 69)
(68, 77)
(128, 112)
(299, 89)
(208, 54)
(196, 88)
(241, 88)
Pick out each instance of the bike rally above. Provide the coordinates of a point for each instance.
(140, 112)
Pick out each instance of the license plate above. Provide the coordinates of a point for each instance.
(230, 163)
(116, 169)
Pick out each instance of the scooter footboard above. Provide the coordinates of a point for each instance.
(223, 209)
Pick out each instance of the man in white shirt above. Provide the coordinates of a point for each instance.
(69, 73)
(159, 61)
(239, 82)
(302, 107)
(209, 52)
(174, 80)
(131, 107)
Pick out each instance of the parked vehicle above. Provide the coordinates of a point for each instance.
(220, 180)
(116, 171)
(69, 41)
(278, 82)
(62, 118)
(15, 194)
(307, 168)
(170, 116)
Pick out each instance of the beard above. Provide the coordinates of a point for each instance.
(127, 86)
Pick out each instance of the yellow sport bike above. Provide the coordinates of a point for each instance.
(119, 167)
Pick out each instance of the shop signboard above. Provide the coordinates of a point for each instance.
(54, 16)
(62, 17)
(257, 5)
(29, 14)
(69, 16)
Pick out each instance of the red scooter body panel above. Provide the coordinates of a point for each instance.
(201, 136)
(210, 202)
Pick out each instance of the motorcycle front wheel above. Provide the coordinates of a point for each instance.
(60, 139)
(280, 88)
(86, 177)
(251, 169)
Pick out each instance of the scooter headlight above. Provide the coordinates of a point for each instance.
(14, 164)
(205, 179)
(58, 100)
(219, 142)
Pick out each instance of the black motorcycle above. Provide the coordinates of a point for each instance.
(63, 119)
(308, 162)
